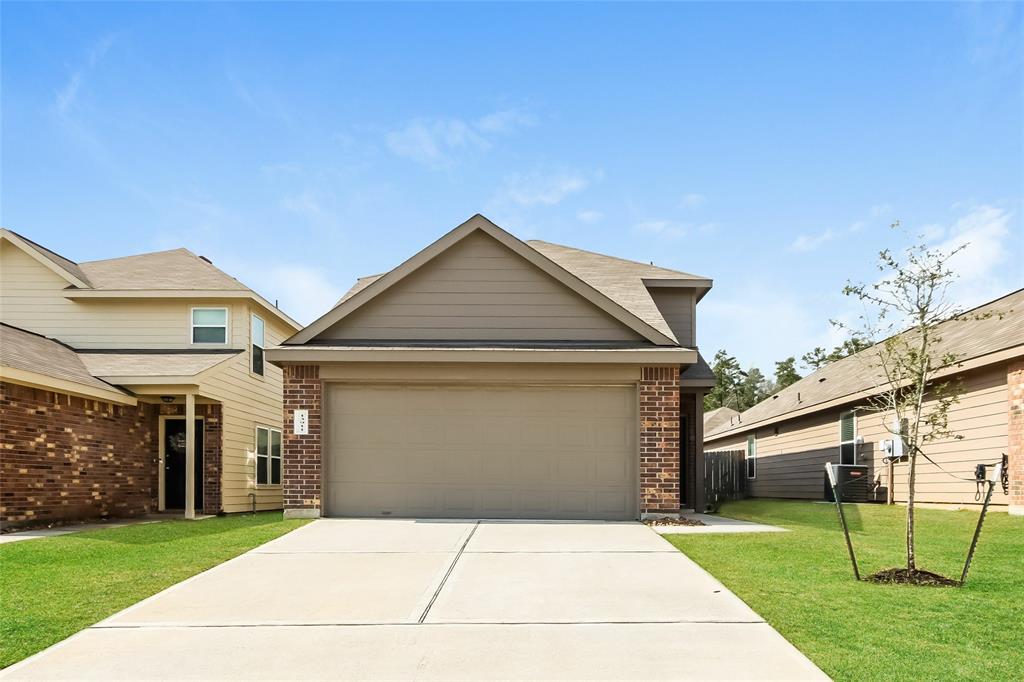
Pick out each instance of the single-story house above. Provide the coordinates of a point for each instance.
(789, 437)
(115, 374)
(491, 377)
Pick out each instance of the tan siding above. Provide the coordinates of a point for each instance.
(677, 307)
(248, 401)
(479, 290)
(791, 462)
(31, 297)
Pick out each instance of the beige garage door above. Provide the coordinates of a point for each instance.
(481, 452)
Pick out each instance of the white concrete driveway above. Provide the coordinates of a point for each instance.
(437, 600)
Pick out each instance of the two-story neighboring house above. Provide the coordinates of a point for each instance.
(133, 385)
(490, 377)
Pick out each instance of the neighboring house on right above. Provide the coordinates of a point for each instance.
(821, 418)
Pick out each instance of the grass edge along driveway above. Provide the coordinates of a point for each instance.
(801, 582)
(51, 588)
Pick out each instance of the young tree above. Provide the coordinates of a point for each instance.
(910, 297)
(785, 373)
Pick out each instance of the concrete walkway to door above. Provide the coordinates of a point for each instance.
(437, 600)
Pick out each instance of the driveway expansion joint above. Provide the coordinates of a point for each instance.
(423, 616)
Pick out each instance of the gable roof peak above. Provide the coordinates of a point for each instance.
(356, 298)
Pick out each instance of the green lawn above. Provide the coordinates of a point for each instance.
(51, 588)
(801, 582)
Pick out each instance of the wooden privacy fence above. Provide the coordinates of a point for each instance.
(725, 477)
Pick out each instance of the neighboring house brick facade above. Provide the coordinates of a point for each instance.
(165, 332)
(64, 457)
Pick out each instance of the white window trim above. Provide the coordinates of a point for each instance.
(751, 440)
(270, 456)
(253, 344)
(846, 442)
(192, 326)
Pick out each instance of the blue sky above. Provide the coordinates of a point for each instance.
(767, 146)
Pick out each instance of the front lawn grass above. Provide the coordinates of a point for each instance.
(801, 582)
(51, 588)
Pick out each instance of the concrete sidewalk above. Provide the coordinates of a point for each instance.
(433, 600)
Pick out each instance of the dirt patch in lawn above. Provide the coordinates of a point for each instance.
(674, 522)
(902, 576)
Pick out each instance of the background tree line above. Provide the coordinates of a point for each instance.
(742, 389)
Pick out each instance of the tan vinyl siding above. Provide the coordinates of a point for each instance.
(248, 400)
(677, 307)
(31, 297)
(791, 462)
(479, 290)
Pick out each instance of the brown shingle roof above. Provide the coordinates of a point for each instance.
(177, 269)
(619, 279)
(717, 417)
(115, 365)
(20, 349)
(967, 339)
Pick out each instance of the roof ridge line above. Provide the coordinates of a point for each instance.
(618, 258)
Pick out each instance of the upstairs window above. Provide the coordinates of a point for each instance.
(210, 325)
(848, 437)
(268, 456)
(258, 336)
(751, 458)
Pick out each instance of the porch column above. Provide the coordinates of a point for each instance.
(190, 456)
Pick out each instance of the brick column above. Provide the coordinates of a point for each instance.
(659, 441)
(1015, 424)
(300, 477)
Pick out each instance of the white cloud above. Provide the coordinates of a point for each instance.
(795, 326)
(543, 187)
(67, 95)
(879, 210)
(692, 200)
(589, 216)
(663, 228)
(435, 142)
(431, 142)
(304, 204)
(505, 122)
(805, 243)
(985, 231)
(305, 293)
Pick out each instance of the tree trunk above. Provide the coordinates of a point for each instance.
(912, 474)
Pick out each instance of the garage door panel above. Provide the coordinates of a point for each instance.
(473, 451)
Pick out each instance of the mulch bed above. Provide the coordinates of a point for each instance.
(901, 576)
(674, 522)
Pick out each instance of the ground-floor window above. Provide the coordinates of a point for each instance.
(848, 437)
(268, 456)
(751, 456)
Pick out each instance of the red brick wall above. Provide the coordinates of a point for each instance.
(300, 477)
(1015, 400)
(63, 457)
(659, 440)
(213, 440)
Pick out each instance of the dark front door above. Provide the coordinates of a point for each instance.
(174, 464)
